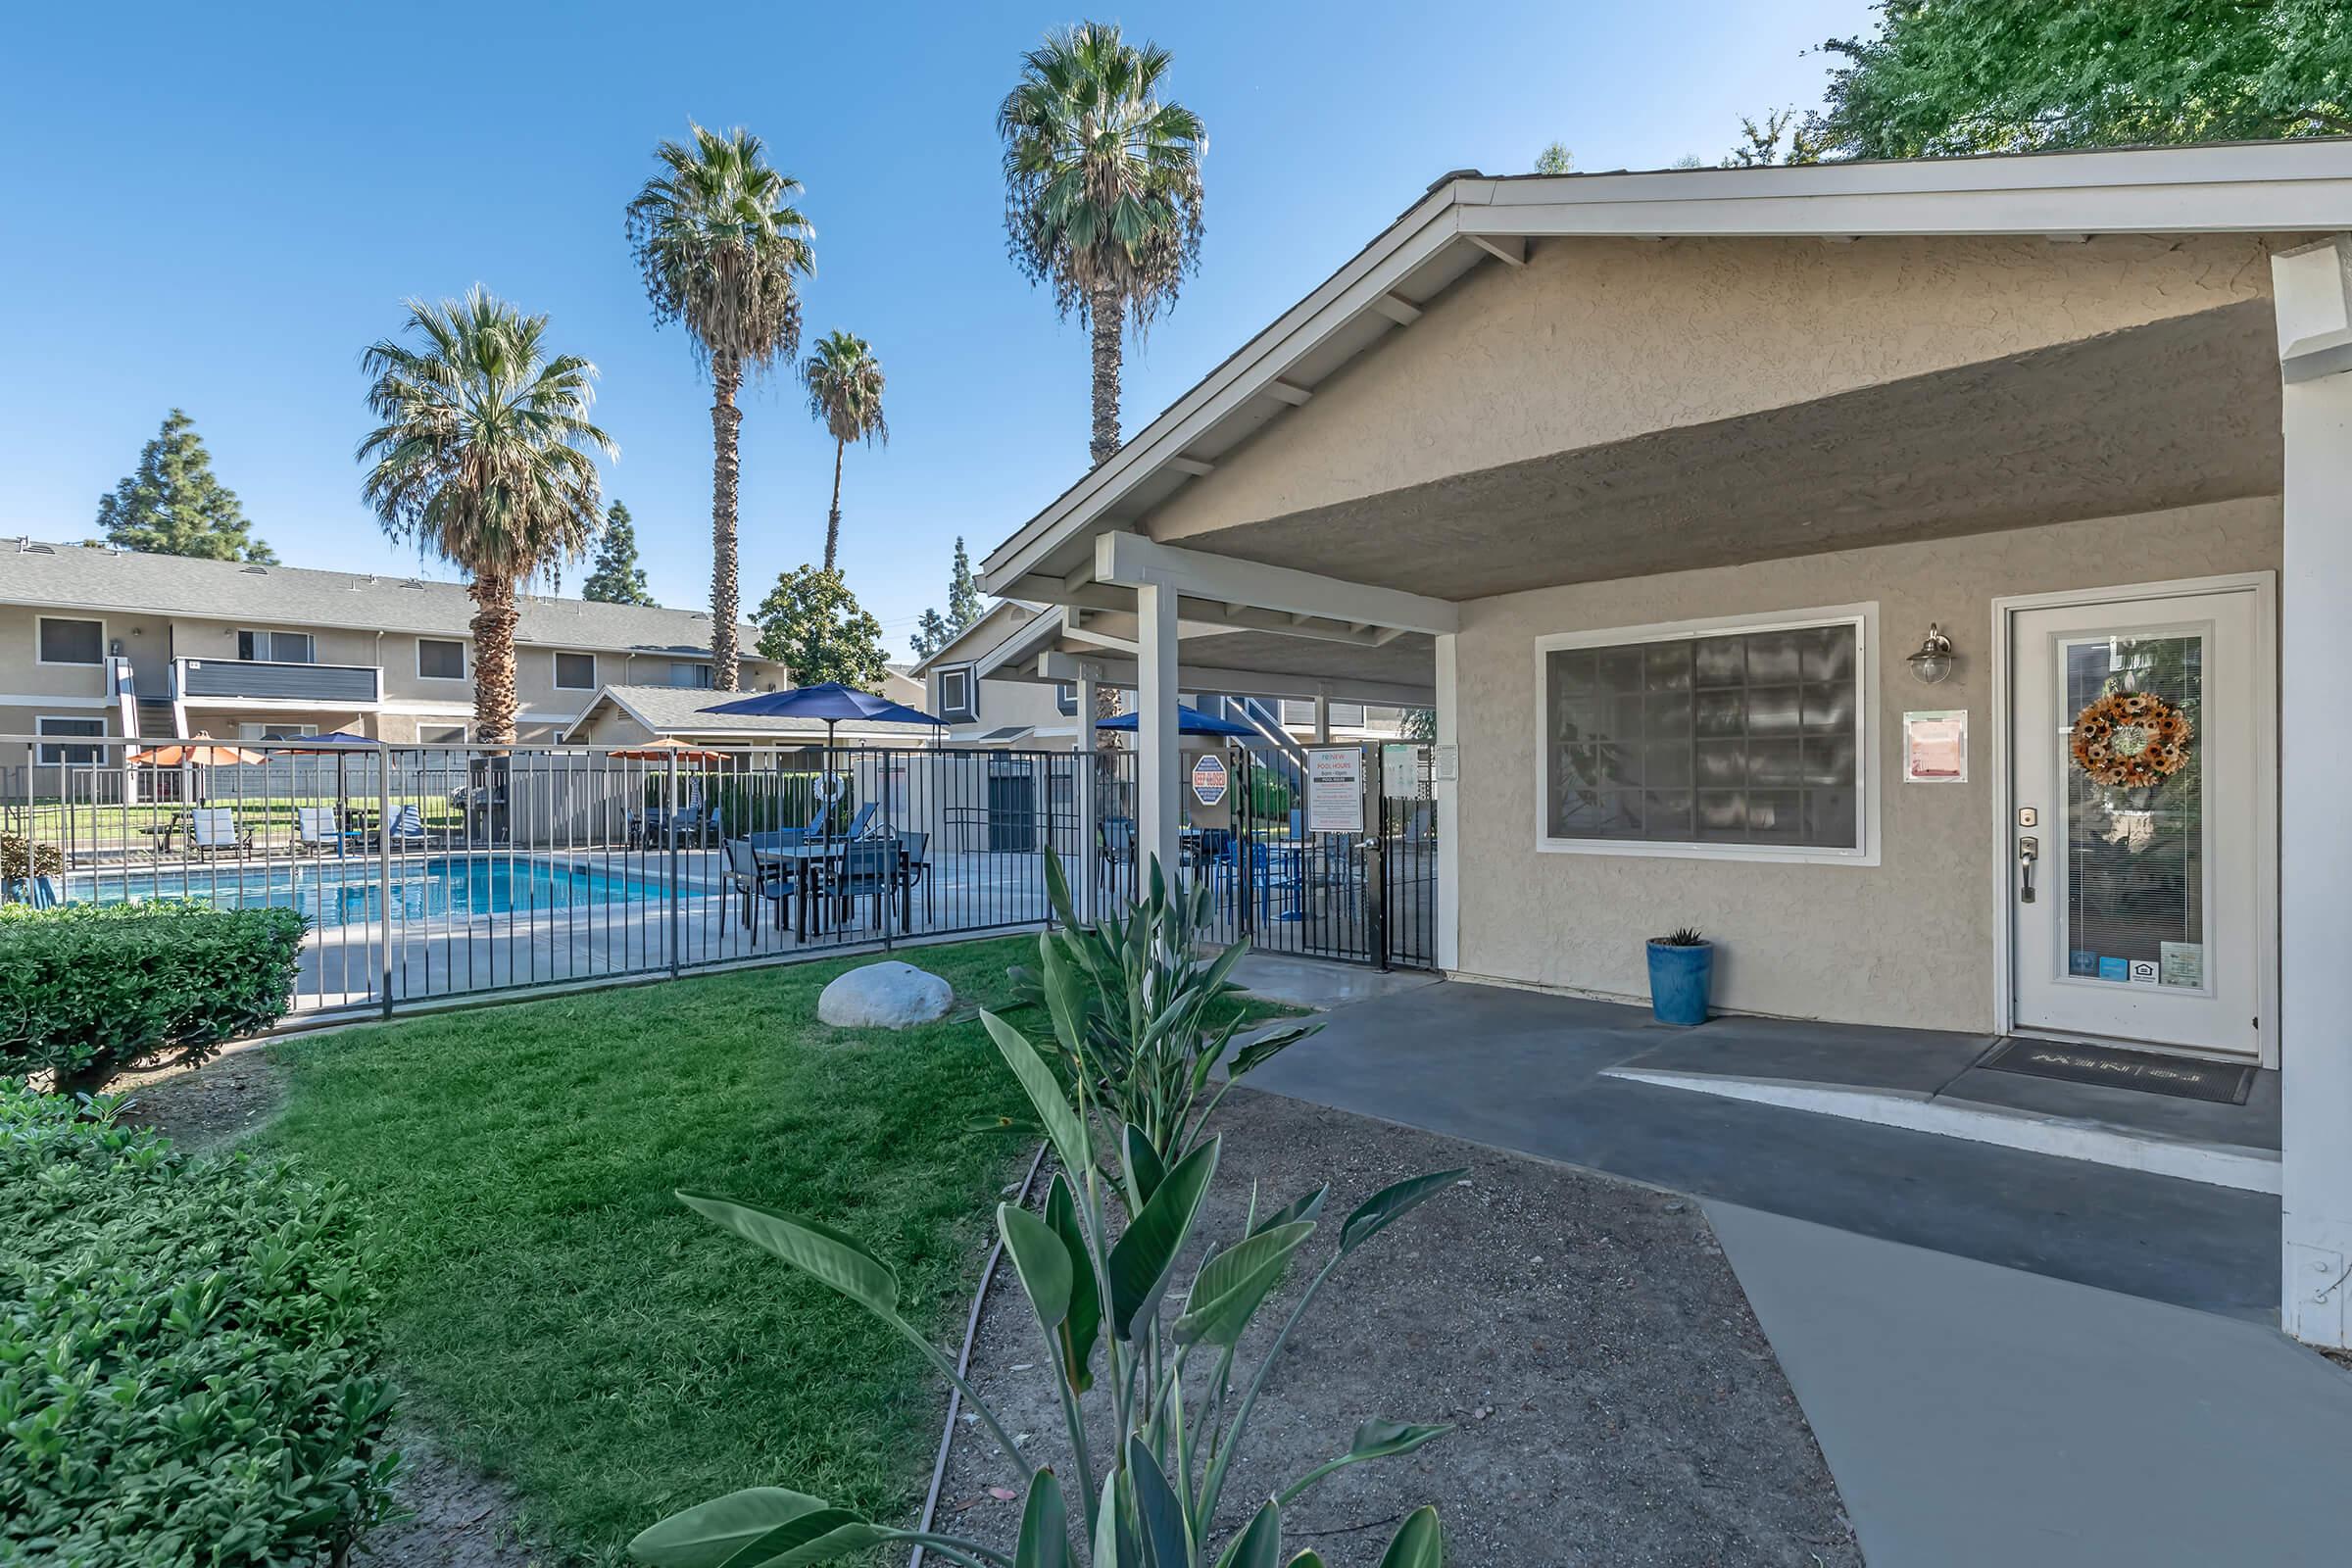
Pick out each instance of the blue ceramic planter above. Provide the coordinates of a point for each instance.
(1679, 977)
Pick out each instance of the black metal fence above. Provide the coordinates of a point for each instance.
(429, 872)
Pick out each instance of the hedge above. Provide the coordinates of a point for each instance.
(91, 990)
(758, 802)
(187, 1353)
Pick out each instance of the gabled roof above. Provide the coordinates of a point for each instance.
(1000, 621)
(67, 576)
(1468, 220)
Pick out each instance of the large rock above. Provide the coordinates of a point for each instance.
(885, 996)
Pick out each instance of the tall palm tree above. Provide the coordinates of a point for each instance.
(485, 458)
(723, 251)
(1102, 190)
(845, 393)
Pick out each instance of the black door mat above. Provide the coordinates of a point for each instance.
(2184, 1077)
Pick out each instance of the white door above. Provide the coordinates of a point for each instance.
(2138, 875)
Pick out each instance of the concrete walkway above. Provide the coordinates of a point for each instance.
(1974, 1414)
(2008, 1358)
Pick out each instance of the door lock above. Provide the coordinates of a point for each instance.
(2028, 851)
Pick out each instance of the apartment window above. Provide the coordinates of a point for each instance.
(956, 700)
(575, 672)
(437, 659)
(694, 675)
(440, 734)
(277, 647)
(275, 732)
(1065, 696)
(52, 756)
(72, 642)
(1732, 741)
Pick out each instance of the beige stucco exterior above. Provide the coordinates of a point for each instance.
(1908, 941)
(1598, 341)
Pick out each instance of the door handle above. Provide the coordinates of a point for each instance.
(2028, 851)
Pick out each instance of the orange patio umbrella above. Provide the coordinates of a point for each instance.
(668, 747)
(202, 751)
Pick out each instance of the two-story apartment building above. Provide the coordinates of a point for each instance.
(99, 642)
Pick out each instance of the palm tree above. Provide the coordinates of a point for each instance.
(845, 393)
(1102, 190)
(484, 458)
(723, 251)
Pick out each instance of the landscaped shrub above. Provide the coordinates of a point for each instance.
(757, 803)
(89, 991)
(187, 1353)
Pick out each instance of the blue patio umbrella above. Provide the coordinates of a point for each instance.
(1189, 721)
(831, 702)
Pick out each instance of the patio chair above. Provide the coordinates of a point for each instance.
(1115, 843)
(868, 865)
(918, 866)
(750, 879)
(216, 830)
(316, 830)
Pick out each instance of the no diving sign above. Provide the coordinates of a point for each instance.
(1209, 779)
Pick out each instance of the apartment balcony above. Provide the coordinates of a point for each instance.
(218, 680)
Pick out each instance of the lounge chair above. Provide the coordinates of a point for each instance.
(406, 830)
(216, 830)
(316, 830)
(864, 821)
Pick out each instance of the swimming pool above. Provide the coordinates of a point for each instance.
(333, 893)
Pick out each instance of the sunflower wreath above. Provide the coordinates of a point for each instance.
(2131, 739)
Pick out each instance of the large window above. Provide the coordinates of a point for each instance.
(695, 675)
(72, 756)
(72, 642)
(277, 647)
(275, 732)
(437, 659)
(1737, 741)
(956, 695)
(575, 672)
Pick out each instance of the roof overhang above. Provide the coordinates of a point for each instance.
(1470, 221)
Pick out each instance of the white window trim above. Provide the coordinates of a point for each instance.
(251, 731)
(967, 712)
(40, 723)
(273, 633)
(556, 659)
(464, 658)
(38, 621)
(1863, 617)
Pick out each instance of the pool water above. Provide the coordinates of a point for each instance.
(335, 893)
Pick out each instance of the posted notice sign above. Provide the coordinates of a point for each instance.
(1335, 790)
(1209, 778)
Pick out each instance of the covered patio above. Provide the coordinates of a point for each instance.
(2044, 404)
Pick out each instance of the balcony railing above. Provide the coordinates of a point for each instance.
(267, 681)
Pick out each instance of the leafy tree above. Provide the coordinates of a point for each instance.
(172, 505)
(814, 625)
(845, 394)
(1555, 158)
(722, 251)
(1949, 77)
(1103, 194)
(616, 578)
(931, 634)
(1781, 138)
(483, 457)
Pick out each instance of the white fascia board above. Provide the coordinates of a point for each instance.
(1113, 670)
(1132, 558)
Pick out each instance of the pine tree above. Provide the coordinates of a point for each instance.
(617, 579)
(964, 594)
(172, 505)
(931, 634)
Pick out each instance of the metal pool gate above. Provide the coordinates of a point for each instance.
(1284, 885)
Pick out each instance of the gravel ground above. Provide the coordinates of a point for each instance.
(1615, 1401)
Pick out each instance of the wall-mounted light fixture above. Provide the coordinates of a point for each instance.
(1934, 660)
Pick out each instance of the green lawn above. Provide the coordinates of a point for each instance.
(577, 1329)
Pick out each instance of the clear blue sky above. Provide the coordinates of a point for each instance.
(219, 207)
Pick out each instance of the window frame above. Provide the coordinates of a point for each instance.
(707, 672)
(458, 729)
(556, 658)
(464, 658)
(40, 730)
(38, 656)
(1065, 698)
(1863, 617)
(967, 712)
(246, 732)
(274, 634)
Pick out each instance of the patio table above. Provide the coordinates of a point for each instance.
(823, 858)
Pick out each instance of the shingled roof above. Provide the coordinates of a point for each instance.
(67, 576)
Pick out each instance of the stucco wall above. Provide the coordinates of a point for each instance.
(1595, 341)
(1907, 942)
